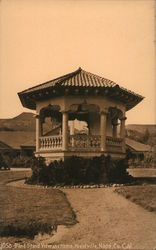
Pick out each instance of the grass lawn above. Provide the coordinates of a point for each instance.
(144, 196)
(22, 209)
(8, 175)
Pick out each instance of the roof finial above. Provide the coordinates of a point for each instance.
(79, 68)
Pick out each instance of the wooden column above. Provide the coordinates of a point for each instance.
(72, 130)
(38, 131)
(122, 133)
(65, 130)
(103, 117)
(115, 125)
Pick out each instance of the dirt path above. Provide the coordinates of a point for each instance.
(108, 219)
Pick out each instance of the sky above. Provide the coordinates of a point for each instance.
(41, 40)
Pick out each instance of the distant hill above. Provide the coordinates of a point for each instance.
(141, 128)
(20, 130)
(144, 133)
(23, 122)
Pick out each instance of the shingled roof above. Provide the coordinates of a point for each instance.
(15, 139)
(80, 80)
(137, 146)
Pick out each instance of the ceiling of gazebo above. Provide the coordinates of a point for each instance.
(76, 111)
(79, 82)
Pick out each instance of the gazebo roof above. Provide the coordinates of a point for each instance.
(78, 82)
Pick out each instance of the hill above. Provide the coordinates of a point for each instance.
(20, 130)
(23, 122)
(141, 128)
(144, 133)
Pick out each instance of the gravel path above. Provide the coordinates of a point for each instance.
(109, 221)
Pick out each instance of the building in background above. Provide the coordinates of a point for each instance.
(141, 154)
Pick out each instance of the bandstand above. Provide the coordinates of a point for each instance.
(81, 96)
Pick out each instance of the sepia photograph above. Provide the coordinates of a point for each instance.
(77, 124)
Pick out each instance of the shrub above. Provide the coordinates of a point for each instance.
(29, 229)
(37, 165)
(22, 161)
(77, 170)
(117, 171)
(3, 162)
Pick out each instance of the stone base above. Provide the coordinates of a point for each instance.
(62, 155)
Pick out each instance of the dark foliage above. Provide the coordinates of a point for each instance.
(146, 136)
(3, 163)
(39, 170)
(21, 161)
(117, 171)
(77, 170)
(30, 229)
(6, 129)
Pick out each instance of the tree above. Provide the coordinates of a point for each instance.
(3, 163)
(146, 136)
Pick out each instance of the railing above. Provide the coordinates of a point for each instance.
(113, 144)
(50, 142)
(85, 142)
(79, 142)
(110, 141)
(92, 142)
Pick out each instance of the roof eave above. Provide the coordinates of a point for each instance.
(129, 98)
(26, 104)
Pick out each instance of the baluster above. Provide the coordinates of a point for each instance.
(57, 142)
(49, 142)
(45, 143)
(52, 142)
(42, 143)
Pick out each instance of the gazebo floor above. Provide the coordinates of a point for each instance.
(52, 155)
